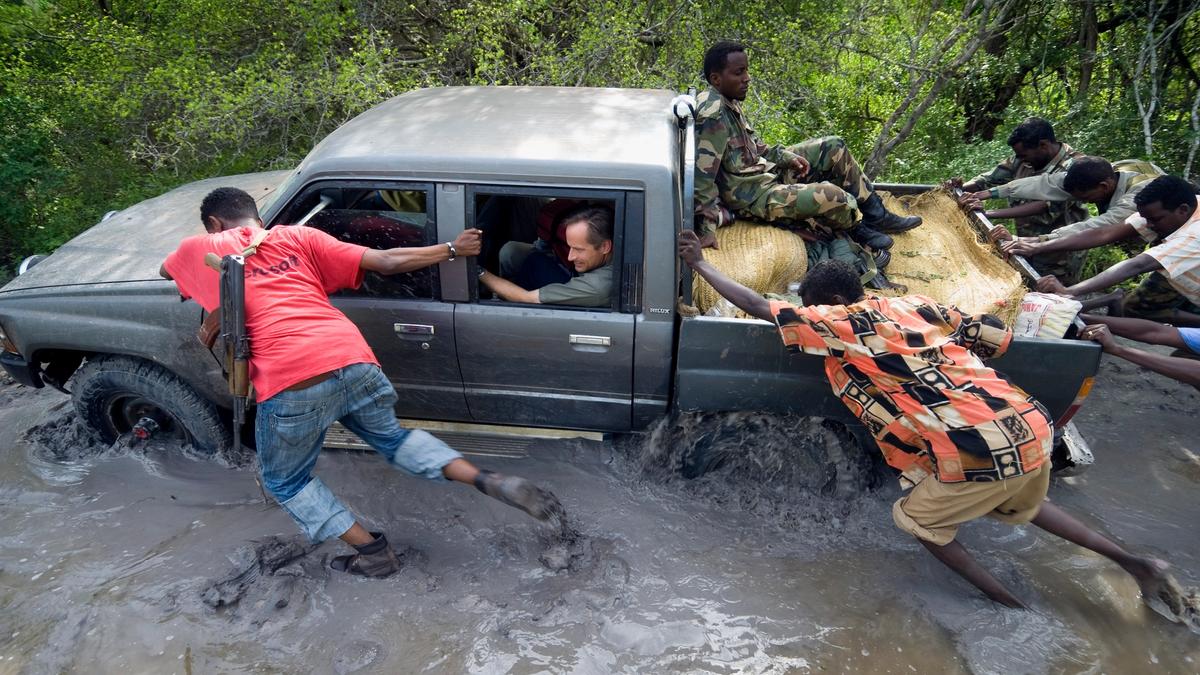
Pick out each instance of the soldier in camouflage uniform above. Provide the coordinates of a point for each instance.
(1036, 151)
(813, 188)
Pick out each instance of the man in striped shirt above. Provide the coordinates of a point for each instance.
(1166, 214)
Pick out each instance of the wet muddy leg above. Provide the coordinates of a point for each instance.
(1151, 574)
(955, 556)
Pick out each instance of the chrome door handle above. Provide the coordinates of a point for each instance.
(591, 340)
(413, 329)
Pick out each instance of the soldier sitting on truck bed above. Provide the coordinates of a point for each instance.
(589, 237)
(1168, 215)
(1036, 151)
(1088, 179)
(970, 443)
(812, 188)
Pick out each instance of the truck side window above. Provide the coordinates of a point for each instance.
(380, 219)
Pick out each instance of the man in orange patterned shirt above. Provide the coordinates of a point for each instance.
(969, 442)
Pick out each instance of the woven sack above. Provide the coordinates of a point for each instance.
(760, 257)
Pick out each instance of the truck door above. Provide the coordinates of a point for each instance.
(402, 316)
(541, 364)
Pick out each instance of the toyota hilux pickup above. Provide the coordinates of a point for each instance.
(95, 318)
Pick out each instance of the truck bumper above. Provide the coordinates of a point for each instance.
(22, 371)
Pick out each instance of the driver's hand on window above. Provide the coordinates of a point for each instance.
(469, 242)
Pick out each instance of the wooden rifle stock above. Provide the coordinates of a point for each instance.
(237, 343)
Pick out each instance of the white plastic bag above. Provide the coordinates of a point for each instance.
(1045, 315)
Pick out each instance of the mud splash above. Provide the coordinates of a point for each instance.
(799, 473)
(66, 441)
(768, 563)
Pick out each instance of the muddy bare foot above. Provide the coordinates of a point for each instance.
(520, 493)
(1163, 594)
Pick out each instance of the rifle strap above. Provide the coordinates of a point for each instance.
(212, 322)
(258, 239)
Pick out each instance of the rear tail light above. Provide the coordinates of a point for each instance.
(1084, 390)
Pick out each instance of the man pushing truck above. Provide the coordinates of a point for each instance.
(311, 367)
(966, 440)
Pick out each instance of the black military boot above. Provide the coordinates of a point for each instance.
(882, 257)
(374, 559)
(875, 216)
(882, 283)
(863, 235)
(518, 492)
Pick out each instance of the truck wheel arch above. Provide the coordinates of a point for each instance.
(110, 393)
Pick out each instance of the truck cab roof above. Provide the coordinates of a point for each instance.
(506, 132)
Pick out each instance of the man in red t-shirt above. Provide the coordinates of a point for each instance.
(310, 367)
(973, 444)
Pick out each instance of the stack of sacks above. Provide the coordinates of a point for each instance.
(758, 256)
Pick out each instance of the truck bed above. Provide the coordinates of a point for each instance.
(739, 364)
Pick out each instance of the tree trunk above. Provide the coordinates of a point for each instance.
(1089, 33)
(978, 22)
(983, 117)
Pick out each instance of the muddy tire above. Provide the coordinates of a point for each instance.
(816, 456)
(112, 393)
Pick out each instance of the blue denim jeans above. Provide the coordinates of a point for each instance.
(290, 430)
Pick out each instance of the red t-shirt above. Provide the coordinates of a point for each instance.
(295, 333)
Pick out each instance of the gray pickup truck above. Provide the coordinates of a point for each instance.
(417, 170)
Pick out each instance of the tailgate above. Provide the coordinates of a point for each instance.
(739, 364)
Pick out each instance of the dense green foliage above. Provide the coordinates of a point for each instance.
(103, 103)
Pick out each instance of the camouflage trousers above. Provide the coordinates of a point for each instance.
(1156, 299)
(824, 200)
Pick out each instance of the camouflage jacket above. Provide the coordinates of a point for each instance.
(1132, 176)
(733, 166)
(1057, 214)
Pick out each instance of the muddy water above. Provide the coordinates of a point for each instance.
(144, 560)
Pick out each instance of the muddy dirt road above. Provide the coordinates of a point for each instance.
(151, 562)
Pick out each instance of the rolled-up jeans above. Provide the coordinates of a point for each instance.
(290, 430)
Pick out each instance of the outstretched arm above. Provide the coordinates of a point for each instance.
(1126, 269)
(1018, 211)
(1142, 330)
(1080, 241)
(402, 259)
(743, 298)
(1184, 370)
(509, 291)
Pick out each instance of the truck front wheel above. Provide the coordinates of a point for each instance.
(112, 394)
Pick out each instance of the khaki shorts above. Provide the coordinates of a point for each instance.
(934, 510)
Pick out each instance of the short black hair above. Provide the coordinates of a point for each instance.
(1031, 132)
(717, 55)
(829, 278)
(1169, 191)
(599, 221)
(227, 203)
(1086, 173)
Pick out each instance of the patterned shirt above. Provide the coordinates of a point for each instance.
(911, 370)
(733, 165)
